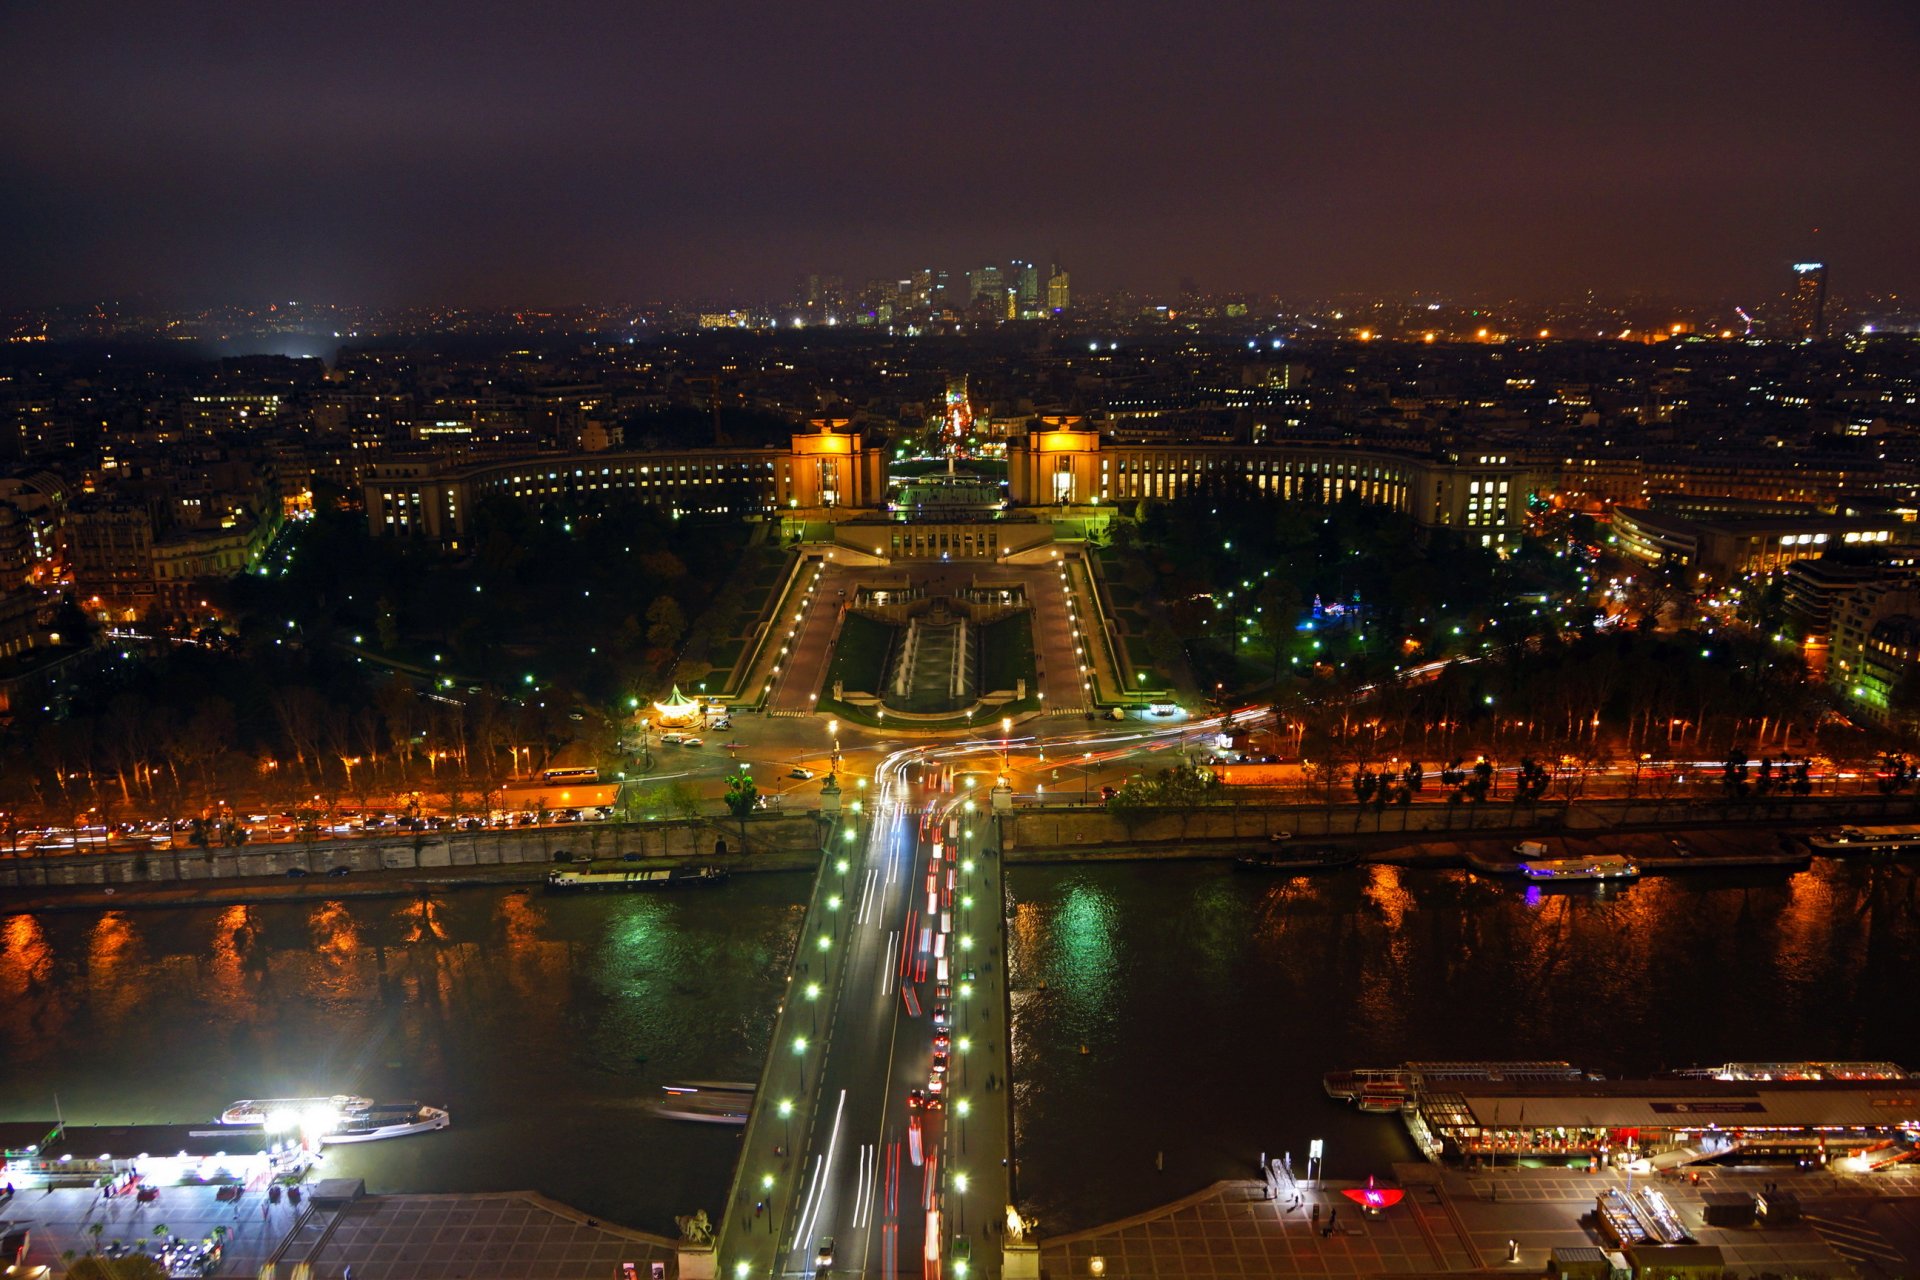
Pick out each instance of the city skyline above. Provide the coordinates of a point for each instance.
(449, 157)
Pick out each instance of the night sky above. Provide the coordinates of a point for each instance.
(545, 153)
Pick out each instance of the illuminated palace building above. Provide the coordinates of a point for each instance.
(1060, 470)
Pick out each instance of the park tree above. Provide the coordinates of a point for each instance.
(741, 797)
(666, 623)
(682, 798)
(132, 1266)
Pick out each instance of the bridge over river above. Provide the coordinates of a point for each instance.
(879, 1140)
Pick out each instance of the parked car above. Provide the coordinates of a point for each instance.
(339, 871)
(295, 873)
(563, 855)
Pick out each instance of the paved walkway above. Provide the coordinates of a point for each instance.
(804, 666)
(1102, 681)
(425, 1237)
(479, 1237)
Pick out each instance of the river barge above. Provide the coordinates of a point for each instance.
(1312, 857)
(1535, 866)
(636, 881)
(1866, 840)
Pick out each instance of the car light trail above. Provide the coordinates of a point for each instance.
(823, 1169)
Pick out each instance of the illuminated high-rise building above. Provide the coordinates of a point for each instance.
(1807, 310)
(987, 282)
(1028, 277)
(1057, 290)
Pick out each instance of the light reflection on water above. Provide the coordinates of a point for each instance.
(543, 1024)
(1212, 1002)
(1209, 1004)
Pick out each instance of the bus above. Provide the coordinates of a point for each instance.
(588, 774)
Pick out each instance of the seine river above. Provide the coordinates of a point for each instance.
(1176, 1012)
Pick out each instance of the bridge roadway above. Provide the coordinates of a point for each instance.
(834, 1150)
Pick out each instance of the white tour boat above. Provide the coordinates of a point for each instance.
(288, 1113)
(387, 1120)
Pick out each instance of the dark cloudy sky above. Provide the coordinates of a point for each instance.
(547, 152)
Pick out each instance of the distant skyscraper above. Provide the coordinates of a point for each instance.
(1808, 310)
(1057, 290)
(987, 282)
(1028, 277)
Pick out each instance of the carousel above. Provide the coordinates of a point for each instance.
(677, 712)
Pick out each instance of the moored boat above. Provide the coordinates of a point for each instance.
(387, 1120)
(286, 1113)
(1803, 1070)
(1382, 1083)
(1569, 870)
(1351, 1086)
(1312, 857)
(1866, 840)
(664, 878)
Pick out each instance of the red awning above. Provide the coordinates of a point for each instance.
(1372, 1197)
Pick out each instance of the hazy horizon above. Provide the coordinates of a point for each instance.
(471, 155)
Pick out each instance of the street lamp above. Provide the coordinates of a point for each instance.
(960, 1185)
(786, 1114)
(960, 1108)
(813, 1000)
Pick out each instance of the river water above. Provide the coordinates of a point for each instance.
(1180, 1010)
